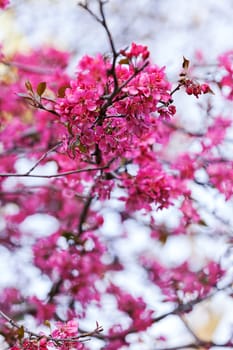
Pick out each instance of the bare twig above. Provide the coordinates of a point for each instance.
(43, 157)
(189, 329)
(16, 325)
(29, 68)
(66, 173)
(199, 345)
(112, 72)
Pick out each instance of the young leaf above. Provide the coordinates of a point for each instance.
(41, 88)
(185, 64)
(28, 86)
(20, 332)
(124, 61)
(47, 323)
(82, 148)
(61, 91)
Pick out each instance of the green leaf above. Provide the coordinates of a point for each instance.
(41, 88)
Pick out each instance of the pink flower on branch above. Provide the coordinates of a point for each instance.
(181, 284)
(96, 113)
(109, 134)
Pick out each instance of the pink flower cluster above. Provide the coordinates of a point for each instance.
(97, 113)
(69, 333)
(216, 132)
(64, 337)
(150, 185)
(137, 52)
(136, 309)
(180, 284)
(77, 268)
(221, 175)
(196, 89)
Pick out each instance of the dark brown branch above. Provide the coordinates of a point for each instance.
(199, 345)
(102, 21)
(43, 157)
(66, 173)
(116, 89)
(180, 347)
(16, 325)
(84, 214)
(35, 101)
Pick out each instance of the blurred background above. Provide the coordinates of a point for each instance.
(170, 28)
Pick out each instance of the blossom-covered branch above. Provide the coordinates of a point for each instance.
(130, 180)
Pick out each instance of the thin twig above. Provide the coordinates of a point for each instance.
(66, 173)
(189, 329)
(199, 345)
(16, 325)
(33, 335)
(116, 89)
(29, 68)
(43, 157)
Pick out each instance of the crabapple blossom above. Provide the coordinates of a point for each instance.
(117, 145)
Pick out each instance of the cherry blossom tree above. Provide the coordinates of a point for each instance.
(113, 139)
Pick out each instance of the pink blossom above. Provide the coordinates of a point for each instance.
(216, 132)
(226, 82)
(221, 176)
(4, 3)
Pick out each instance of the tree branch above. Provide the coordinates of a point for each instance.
(84, 214)
(66, 173)
(43, 157)
(33, 335)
